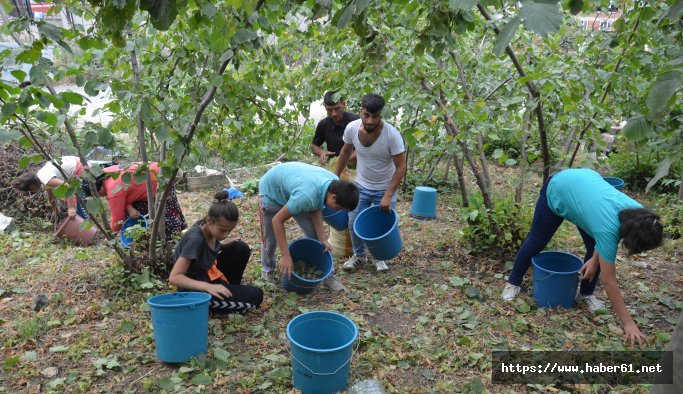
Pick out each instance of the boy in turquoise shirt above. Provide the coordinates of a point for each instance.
(301, 191)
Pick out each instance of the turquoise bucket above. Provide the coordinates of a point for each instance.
(181, 325)
(126, 241)
(556, 278)
(339, 220)
(424, 203)
(618, 183)
(311, 252)
(379, 231)
(321, 348)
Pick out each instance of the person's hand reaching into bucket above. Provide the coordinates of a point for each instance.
(285, 267)
(71, 211)
(385, 204)
(327, 246)
(587, 271)
(217, 290)
(132, 212)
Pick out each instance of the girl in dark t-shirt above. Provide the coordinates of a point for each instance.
(203, 263)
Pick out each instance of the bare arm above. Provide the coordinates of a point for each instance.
(179, 279)
(400, 163)
(609, 280)
(319, 226)
(286, 264)
(344, 156)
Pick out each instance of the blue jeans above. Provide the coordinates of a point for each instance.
(543, 226)
(366, 199)
(268, 241)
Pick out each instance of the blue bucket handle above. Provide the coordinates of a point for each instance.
(328, 373)
(336, 213)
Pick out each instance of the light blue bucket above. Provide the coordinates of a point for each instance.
(321, 348)
(339, 220)
(126, 241)
(181, 325)
(309, 251)
(424, 203)
(556, 278)
(618, 183)
(379, 231)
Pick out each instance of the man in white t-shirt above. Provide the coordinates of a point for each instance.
(50, 177)
(381, 166)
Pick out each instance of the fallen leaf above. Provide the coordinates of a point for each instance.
(49, 372)
(616, 330)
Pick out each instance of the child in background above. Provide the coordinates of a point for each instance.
(204, 263)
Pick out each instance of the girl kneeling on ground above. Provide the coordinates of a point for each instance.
(204, 263)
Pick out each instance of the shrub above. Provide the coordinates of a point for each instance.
(478, 234)
(636, 169)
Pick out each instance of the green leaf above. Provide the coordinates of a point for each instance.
(202, 379)
(343, 16)
(9, 108)
(662, 171)
(209, 10)
(637, 129)
(507, 32)
(244, 35)
(523, 307)
(541, 16)
(10, 361)
(20, 75)
(473, 292)
(575, 6)
(221, 354)
(675, 10)
(59, 349)
(361, 5)
(71, 97)
(47, 117)
(661, 92)
(461, 4)
(61, 191)
(93, 87)
(104, 136)
(29, 56)
(50, 31)
(9, 136)
(227, 55)
(162, 12)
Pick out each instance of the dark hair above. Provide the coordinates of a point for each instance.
(25, 181)
(328, 98)
(223, 208)
(640, 230)
(347, 193)
(372, 102)
(99, 182)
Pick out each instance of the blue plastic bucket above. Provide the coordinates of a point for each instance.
(322, 348)
(126, 241)
(311, 252)
(556, 278)
(339, 220)
(379, 231)
(181, 325)
(424, 203)
(618, 183)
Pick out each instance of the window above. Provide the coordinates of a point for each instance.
(605, 25)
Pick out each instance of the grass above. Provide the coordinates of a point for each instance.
(428, 325)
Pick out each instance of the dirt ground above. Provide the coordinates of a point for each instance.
(428, 325)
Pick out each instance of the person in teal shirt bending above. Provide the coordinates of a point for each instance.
(301, 191)
(604, 216)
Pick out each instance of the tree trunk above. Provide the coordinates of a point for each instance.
(532, 90)
(460, 171)
(523, 158)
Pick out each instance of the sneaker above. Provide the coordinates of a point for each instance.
(333, 284)
(353, 261)
(381, 266)
(268, 276)
(592, 302)
(510, 292)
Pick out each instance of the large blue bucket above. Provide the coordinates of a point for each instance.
(618, 183)
(311, 252)
(181, 325)
(322, 348)
(339, 220)
(424, 203)
(556, 278)
(126, 240)
(379, 231)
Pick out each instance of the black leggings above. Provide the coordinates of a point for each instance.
(232, 261)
